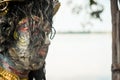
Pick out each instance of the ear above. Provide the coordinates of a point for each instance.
(56, 6)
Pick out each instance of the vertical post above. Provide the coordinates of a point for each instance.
(115, 13)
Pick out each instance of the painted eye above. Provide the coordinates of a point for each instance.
(3, 6)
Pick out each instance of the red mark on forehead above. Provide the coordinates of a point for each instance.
(22, 25)
(23, 29)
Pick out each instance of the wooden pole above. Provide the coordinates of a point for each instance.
(115, 13)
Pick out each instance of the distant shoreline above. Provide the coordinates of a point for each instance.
(70, 32)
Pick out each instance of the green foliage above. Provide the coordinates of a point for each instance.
(92, 2)
(90, 10)
(94, 9)
(99, 9)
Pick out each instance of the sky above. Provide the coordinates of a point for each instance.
(65, 20)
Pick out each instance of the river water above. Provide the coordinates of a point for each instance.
(79, 57)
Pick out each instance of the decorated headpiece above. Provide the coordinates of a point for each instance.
(4, 6)
(9, 0)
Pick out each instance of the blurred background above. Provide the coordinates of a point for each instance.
(81, 49)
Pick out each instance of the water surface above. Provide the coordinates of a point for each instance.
(79, 57)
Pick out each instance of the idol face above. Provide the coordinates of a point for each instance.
(26, 25)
